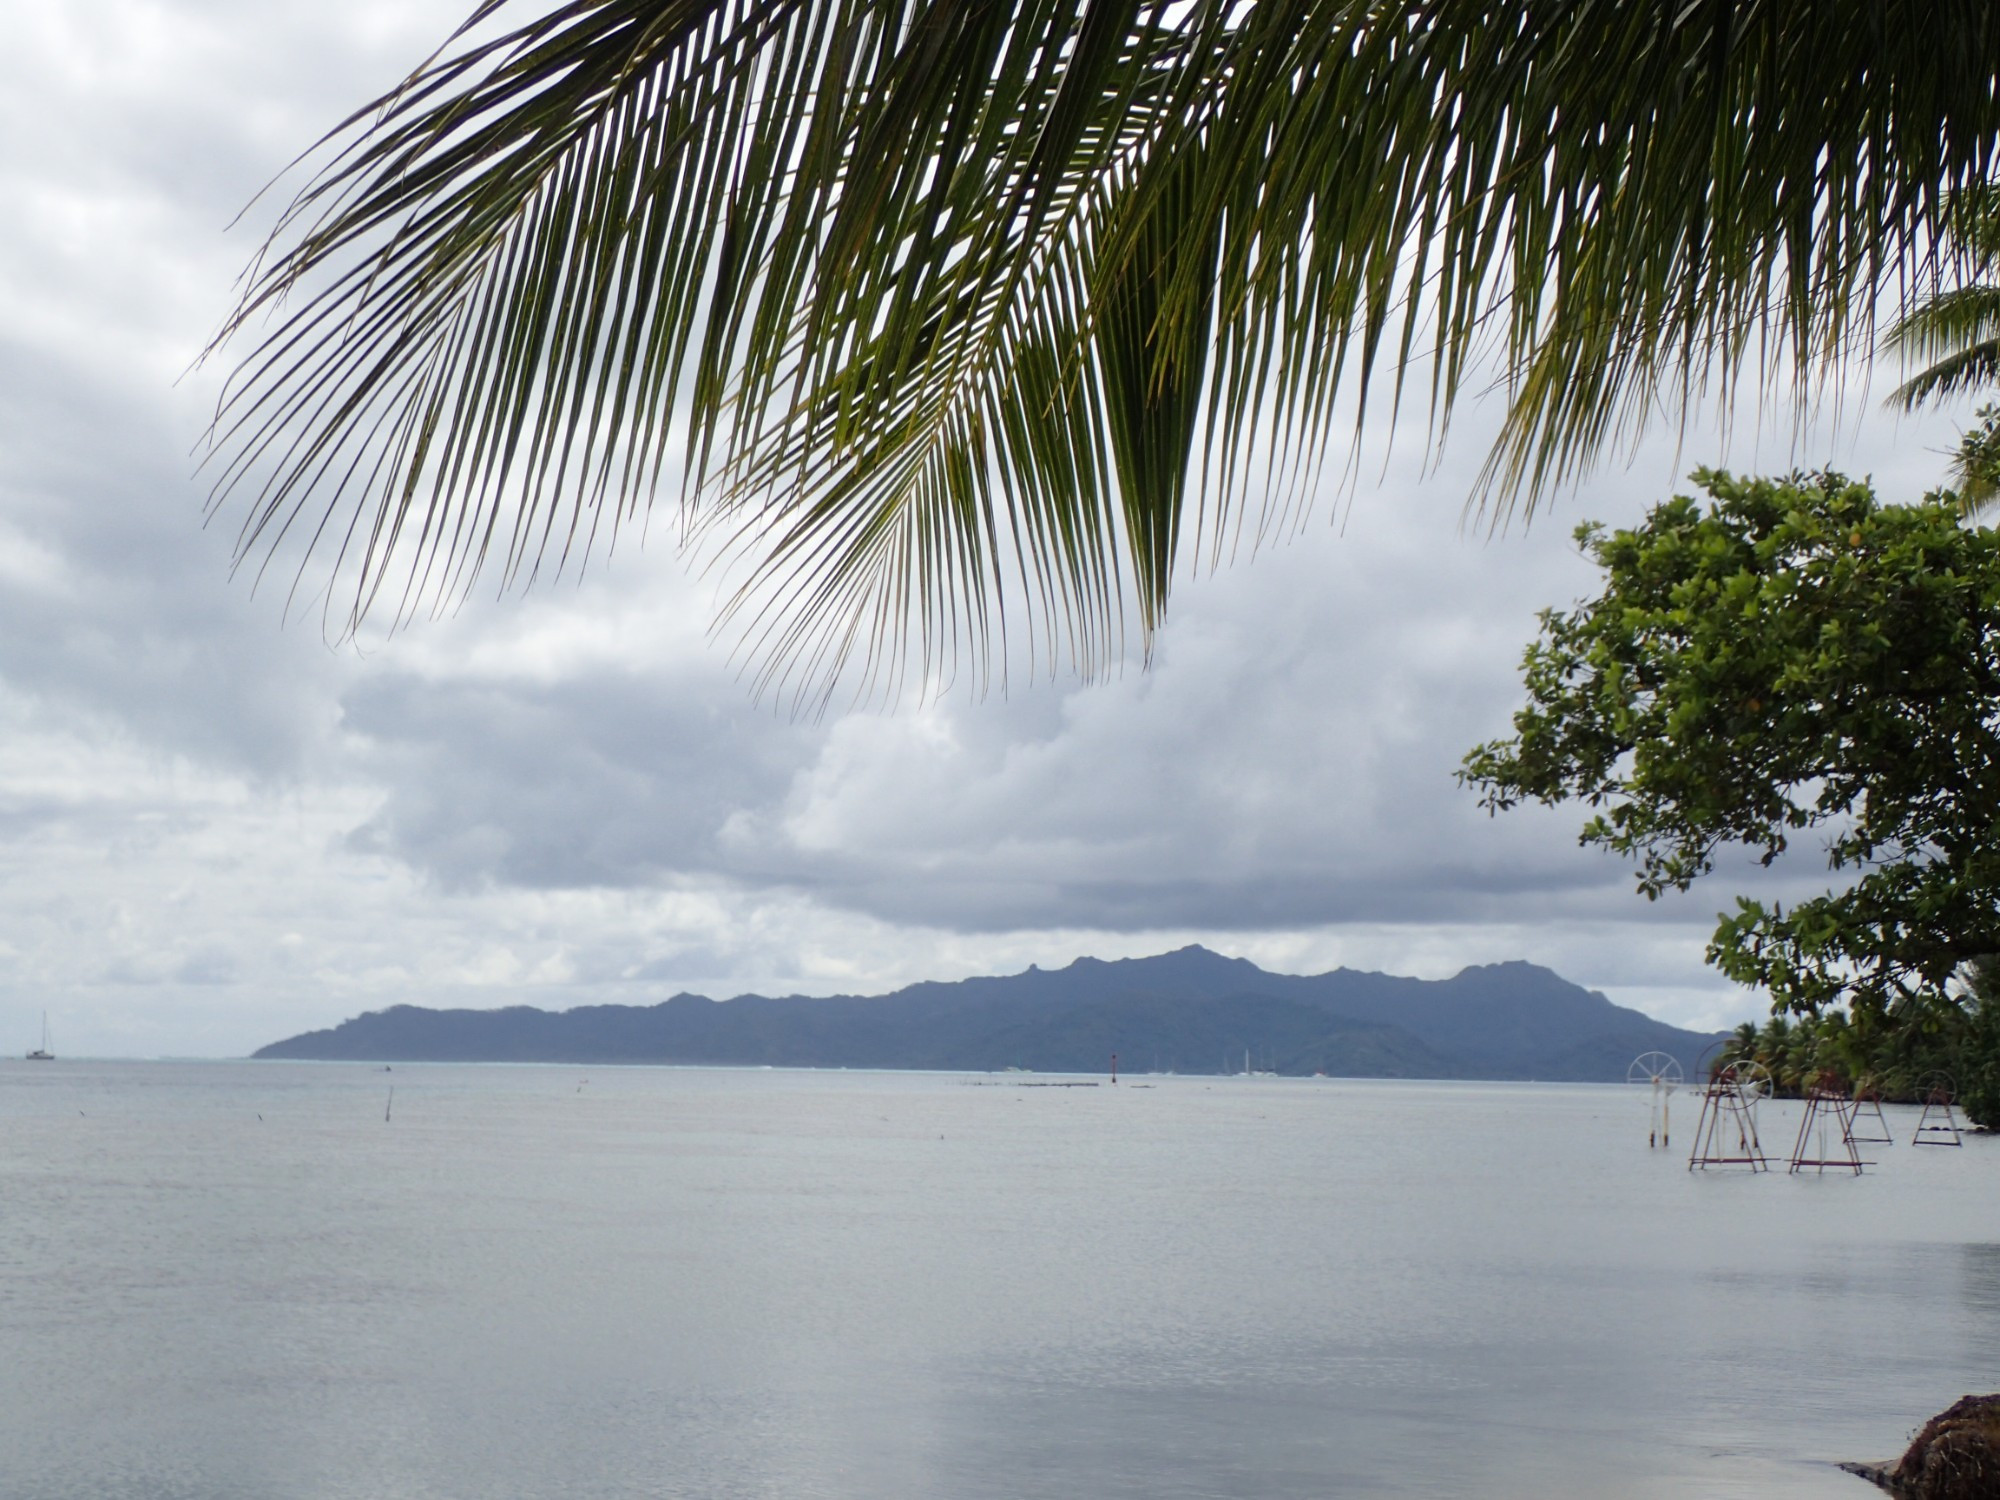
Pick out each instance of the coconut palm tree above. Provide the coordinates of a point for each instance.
(1955, 334)
(1975, 467)
(1774, 1045)
(1740, 1047)
(944, 312)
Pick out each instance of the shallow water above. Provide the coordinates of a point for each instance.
(718, 1284)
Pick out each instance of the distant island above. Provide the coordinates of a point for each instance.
(1190, 1011)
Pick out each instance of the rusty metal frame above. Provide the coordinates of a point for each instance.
(1867, 1109)
(1938, 1125)
(1729, 1105)
(1826, 1097)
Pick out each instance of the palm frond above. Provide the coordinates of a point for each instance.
(1975, 467)
(1972, 230)
(1955, 333)
(925, 306)
(1968, 369)
(1946, 323)
(1977, 492)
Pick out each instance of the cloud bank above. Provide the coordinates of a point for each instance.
(216, 829)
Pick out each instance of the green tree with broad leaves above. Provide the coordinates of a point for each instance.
(935, 310)
(1790, 662)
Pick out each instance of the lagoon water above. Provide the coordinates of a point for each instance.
(626, 1282)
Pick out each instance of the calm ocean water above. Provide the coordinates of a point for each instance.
(721, 1284)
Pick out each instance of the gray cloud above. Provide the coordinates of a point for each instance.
(602, 779)
(215, 829)
(1288, 762)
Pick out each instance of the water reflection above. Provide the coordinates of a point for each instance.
(1979, 1272)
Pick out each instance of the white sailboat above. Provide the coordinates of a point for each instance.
(42, 1053)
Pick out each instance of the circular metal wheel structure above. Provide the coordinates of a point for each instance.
(1661, 1069)
(1751, 1080)
(1938, 1088)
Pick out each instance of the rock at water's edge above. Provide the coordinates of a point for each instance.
(1955, 1457)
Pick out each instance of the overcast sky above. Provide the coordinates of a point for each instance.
(220, 830)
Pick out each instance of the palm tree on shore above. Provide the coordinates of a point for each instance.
(1955, 335)
(942, 311)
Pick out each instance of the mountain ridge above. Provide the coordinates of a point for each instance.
(1190, 1011)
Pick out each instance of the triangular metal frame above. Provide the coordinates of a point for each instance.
(1826, 1097)
(1865, 1119)
(1938, 1125)
(1728, 1109)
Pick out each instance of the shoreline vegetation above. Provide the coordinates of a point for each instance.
(1899, 1056)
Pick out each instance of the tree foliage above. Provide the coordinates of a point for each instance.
(1793, 660)
(927, 304)
(1898, 1056)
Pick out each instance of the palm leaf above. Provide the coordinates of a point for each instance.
(1966, 369)
(932, 309)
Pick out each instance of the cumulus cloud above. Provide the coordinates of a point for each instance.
(215, 828)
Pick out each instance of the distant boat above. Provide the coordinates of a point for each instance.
(42, 1053)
